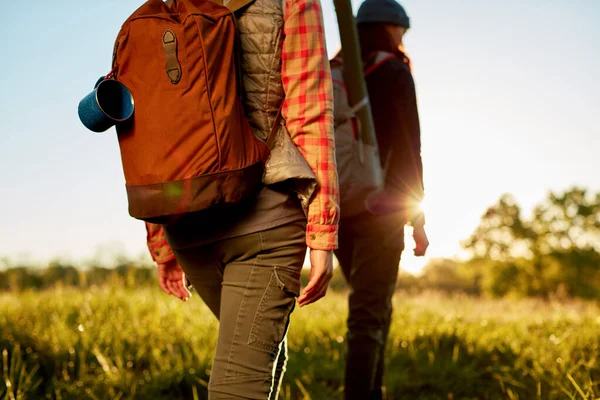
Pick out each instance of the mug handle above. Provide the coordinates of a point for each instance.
(110, 75)
(98, 81)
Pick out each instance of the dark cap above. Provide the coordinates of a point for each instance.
(382, 11)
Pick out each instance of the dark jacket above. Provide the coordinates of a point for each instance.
(394, 106)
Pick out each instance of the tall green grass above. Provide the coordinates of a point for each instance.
(115, 343)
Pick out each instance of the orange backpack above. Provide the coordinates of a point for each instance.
(188, 146)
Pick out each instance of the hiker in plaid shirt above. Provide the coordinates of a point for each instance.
(245, 260)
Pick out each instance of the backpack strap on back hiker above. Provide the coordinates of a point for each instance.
(376, 60)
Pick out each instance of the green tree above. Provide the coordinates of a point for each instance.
(557, 249)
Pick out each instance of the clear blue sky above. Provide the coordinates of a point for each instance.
(509, 95)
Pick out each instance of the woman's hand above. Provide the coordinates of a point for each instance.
(171, 279)
(321, 272)
(421, 240)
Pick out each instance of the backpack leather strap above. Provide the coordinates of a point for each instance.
(172, 66)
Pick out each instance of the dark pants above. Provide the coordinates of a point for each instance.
(250, 283)
(369, 255)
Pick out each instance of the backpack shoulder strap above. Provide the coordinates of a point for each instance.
(376, 60)
(235, 5)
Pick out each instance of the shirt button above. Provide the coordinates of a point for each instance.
(313, 236)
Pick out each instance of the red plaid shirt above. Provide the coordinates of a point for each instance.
(308, 111)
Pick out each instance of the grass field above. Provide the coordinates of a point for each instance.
(116, 343)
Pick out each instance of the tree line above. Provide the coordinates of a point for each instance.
(554, 252)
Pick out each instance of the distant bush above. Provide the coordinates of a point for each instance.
(128, 274)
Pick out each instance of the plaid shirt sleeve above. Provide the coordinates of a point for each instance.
(308, 111)
(157, 244)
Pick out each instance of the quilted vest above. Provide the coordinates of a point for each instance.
(260, 27)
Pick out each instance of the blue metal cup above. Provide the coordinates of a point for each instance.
(108, 104)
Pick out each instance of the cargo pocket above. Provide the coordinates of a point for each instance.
(273, 313)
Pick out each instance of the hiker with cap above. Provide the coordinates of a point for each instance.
(372, 241)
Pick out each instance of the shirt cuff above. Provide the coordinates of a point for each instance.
(322, 237)
(161, 254)
(417, 220)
